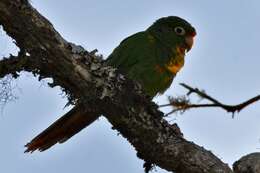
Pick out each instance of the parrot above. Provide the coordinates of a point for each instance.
(152, 58)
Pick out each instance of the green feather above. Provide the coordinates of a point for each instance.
(144, 56)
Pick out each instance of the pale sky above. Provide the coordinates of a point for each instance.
(224, 61)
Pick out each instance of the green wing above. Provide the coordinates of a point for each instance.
(140, 57)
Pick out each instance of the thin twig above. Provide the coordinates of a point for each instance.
(199, 92)
(183, 104)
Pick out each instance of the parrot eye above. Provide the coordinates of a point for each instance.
(179, 30)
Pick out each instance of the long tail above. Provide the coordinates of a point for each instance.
(63, 129)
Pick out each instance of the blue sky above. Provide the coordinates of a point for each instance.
(224, 61)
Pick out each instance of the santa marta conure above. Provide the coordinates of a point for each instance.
(152, 57)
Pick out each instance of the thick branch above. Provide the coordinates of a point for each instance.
(15, 64)
(248, 164)
(120, 100)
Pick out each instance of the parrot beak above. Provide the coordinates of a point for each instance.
(189, 42)
(189, 39)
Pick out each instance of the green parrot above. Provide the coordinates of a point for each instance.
(152, 57)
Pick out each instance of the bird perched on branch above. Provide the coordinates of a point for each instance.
(152, 57)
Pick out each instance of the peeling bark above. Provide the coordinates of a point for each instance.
(87, 79)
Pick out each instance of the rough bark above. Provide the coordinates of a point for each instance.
(248, 164)
(87, 79)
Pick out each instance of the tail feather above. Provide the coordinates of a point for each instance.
(63, 129)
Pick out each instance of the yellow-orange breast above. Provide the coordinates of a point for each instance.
(174, 68)
(177, 62)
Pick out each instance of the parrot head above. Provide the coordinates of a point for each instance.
(174, 32)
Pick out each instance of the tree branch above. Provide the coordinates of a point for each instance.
(183, 103)
(15, 64)
(248, 164)
(99, 87)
